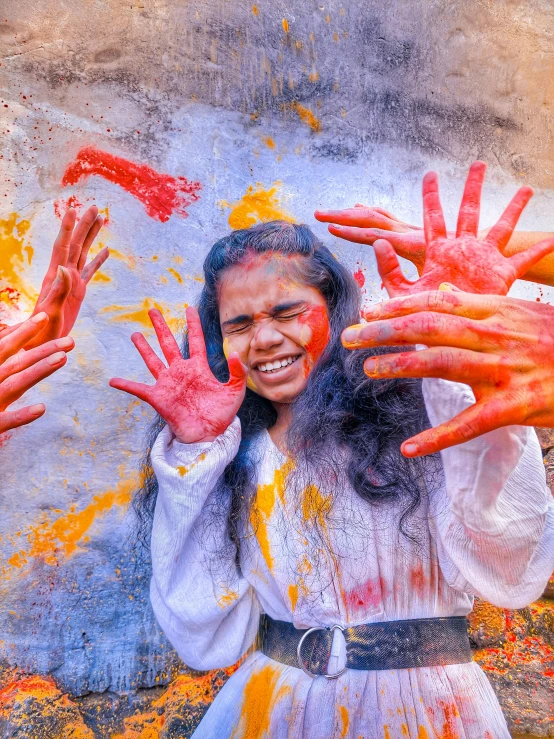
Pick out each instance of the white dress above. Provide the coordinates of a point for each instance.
(320, 559)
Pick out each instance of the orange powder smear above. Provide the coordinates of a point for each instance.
(306, 116)
(263, 508)
(315, 506)
(258, 205)
(15, 256)
(255, 9)
(258, 703)
(51, 539)
(293, 595)
(268, 141)
(422, 733)
(386, 730)
(285, 24)
(345, 719)
(139, 314)
(182, 470)
(227, 597)
(175, 274)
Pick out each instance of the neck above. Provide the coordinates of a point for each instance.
(279, 430)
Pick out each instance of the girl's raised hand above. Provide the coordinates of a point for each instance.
(20, 370)
(193, 403)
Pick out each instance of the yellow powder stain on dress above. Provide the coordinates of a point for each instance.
(258, 703)
(255, 9)
(139, 314)
(227, 597)
(258, 205)
(306, 116)
(293, 596)
(285, 25)
(182, 470)
(315, 506)
(15, 256)
(345, 719)
(52, 540)
(268, 141)
(422, 733)
(386, 730)
(263, 508)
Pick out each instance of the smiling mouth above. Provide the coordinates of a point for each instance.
(271, 368)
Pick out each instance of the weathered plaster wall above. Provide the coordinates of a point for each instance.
(274, 108)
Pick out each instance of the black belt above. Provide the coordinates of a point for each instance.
(391, 645)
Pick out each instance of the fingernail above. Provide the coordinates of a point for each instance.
(37, 410)
(409, 449)
(65, 342)
(336, 225)
(445, 287)
(39, 318)
(370, 367)
(55, 358)
(350, 335)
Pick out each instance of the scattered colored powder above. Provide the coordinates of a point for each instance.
(359, 277)
(293, 596)
(139, 314)
(256, 206)
(345, 720)
(268, 141)
(306, 116)
(285, 24)
(258, 702)
(175, 274)
(15, 256)
(315, 506)
(227, 597)
(161, 194)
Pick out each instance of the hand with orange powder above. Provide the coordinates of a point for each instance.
(64, 286)
(20, 370)
(193, 403)
(502, 347)
(483, 264)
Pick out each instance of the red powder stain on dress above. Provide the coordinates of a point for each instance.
(359, 277)
(417, 578)
(161, 194)
(315, 318)
(450, 713)
(361, 597)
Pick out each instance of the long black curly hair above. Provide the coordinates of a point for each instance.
(339, 408)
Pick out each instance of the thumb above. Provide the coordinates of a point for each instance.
(238, 372)
(528, 258)
(389, 268)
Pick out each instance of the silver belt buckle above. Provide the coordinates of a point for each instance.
(299, 652)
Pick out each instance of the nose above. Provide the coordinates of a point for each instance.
(266, 336)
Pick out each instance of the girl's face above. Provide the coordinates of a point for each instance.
(278, 326)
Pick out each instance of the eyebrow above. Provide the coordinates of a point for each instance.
(281, 308)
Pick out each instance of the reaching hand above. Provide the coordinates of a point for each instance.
(502, 347)
(365, 224)
(65, 283)
(195, 405)
(20, 370)
(463, 260)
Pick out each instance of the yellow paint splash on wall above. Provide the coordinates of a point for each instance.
(268, 141)
(259, 699)
(15, 256)
(306, 116)
(345, 720)
(263, 508)
(52, 540)
(258, 205)
(139, 314)
(175, 274)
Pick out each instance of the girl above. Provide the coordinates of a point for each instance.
(283, 502)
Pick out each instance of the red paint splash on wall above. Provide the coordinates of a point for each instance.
(161, 194)
(359, 277)
(60, 206)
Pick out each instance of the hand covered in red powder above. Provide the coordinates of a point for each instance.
(502, 347)
(365, 224)
(194, 404)
(470, 264)
(65, 283)
(20, 370)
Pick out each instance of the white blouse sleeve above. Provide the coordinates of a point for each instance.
(208, 611)
(493, 518)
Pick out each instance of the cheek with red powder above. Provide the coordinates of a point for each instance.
(314, 334)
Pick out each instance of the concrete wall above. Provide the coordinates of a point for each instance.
(265, 110)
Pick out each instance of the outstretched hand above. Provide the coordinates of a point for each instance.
(502, 347)
(65, 283)
(20, 370)
(470, 264)
(193, 403)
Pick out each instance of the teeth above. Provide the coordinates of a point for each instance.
(269, 366)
